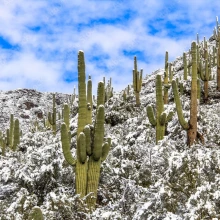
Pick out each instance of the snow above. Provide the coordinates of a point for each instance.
(139, 179)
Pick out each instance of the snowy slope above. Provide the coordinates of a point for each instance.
(139, 179)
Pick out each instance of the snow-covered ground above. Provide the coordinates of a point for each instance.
(139, 179)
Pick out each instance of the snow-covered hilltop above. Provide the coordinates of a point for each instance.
(139, 179)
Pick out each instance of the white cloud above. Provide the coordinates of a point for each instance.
(65, 27)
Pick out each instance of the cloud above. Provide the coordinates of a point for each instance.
(39, 40)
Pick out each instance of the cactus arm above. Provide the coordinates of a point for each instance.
(169, 116)
(101, 94)
(66, 145)
(105, 151)
(170, 73)
(66, 117)
(182, 121)
(82, 148)
(163, 118)
(99, 133)
(87, 133)
(89, 101)
(139, 83)
(150, 115)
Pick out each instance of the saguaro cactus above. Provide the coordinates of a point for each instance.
(206, 76)
(108, 90)
(137, 81)
(11, 130)
(218, 62)
(161, 118)
(185, 66)
(190, 126)
(91, 149)
(3, 142)
(16, 136)
(166, 79)
(52, 116)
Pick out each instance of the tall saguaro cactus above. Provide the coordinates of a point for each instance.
(161, 118)
(52, 116)
(108, 90)
(166, 79)
(218, 62)
(217, 40)
(16, 136)
(137, 81)
(185, 66)
(11, 130)
(206, 76)
(190, 126)
(91, 147)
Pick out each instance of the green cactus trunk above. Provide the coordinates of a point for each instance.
(161, 118)
(3, 144)
(166, 79)
(16, 135)
(160, 128)
(218, 65)
(52, 116)
(190, 126)
(81, 168)
(93, 181)
(11, 131)
(137, 82)
(185, 66)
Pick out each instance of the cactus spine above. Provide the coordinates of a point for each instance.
(190, 126)
(91, 149)
(161, 117)
(137, 81)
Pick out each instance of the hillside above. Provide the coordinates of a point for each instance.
(139, 179)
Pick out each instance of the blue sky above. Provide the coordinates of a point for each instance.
(39, 40)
